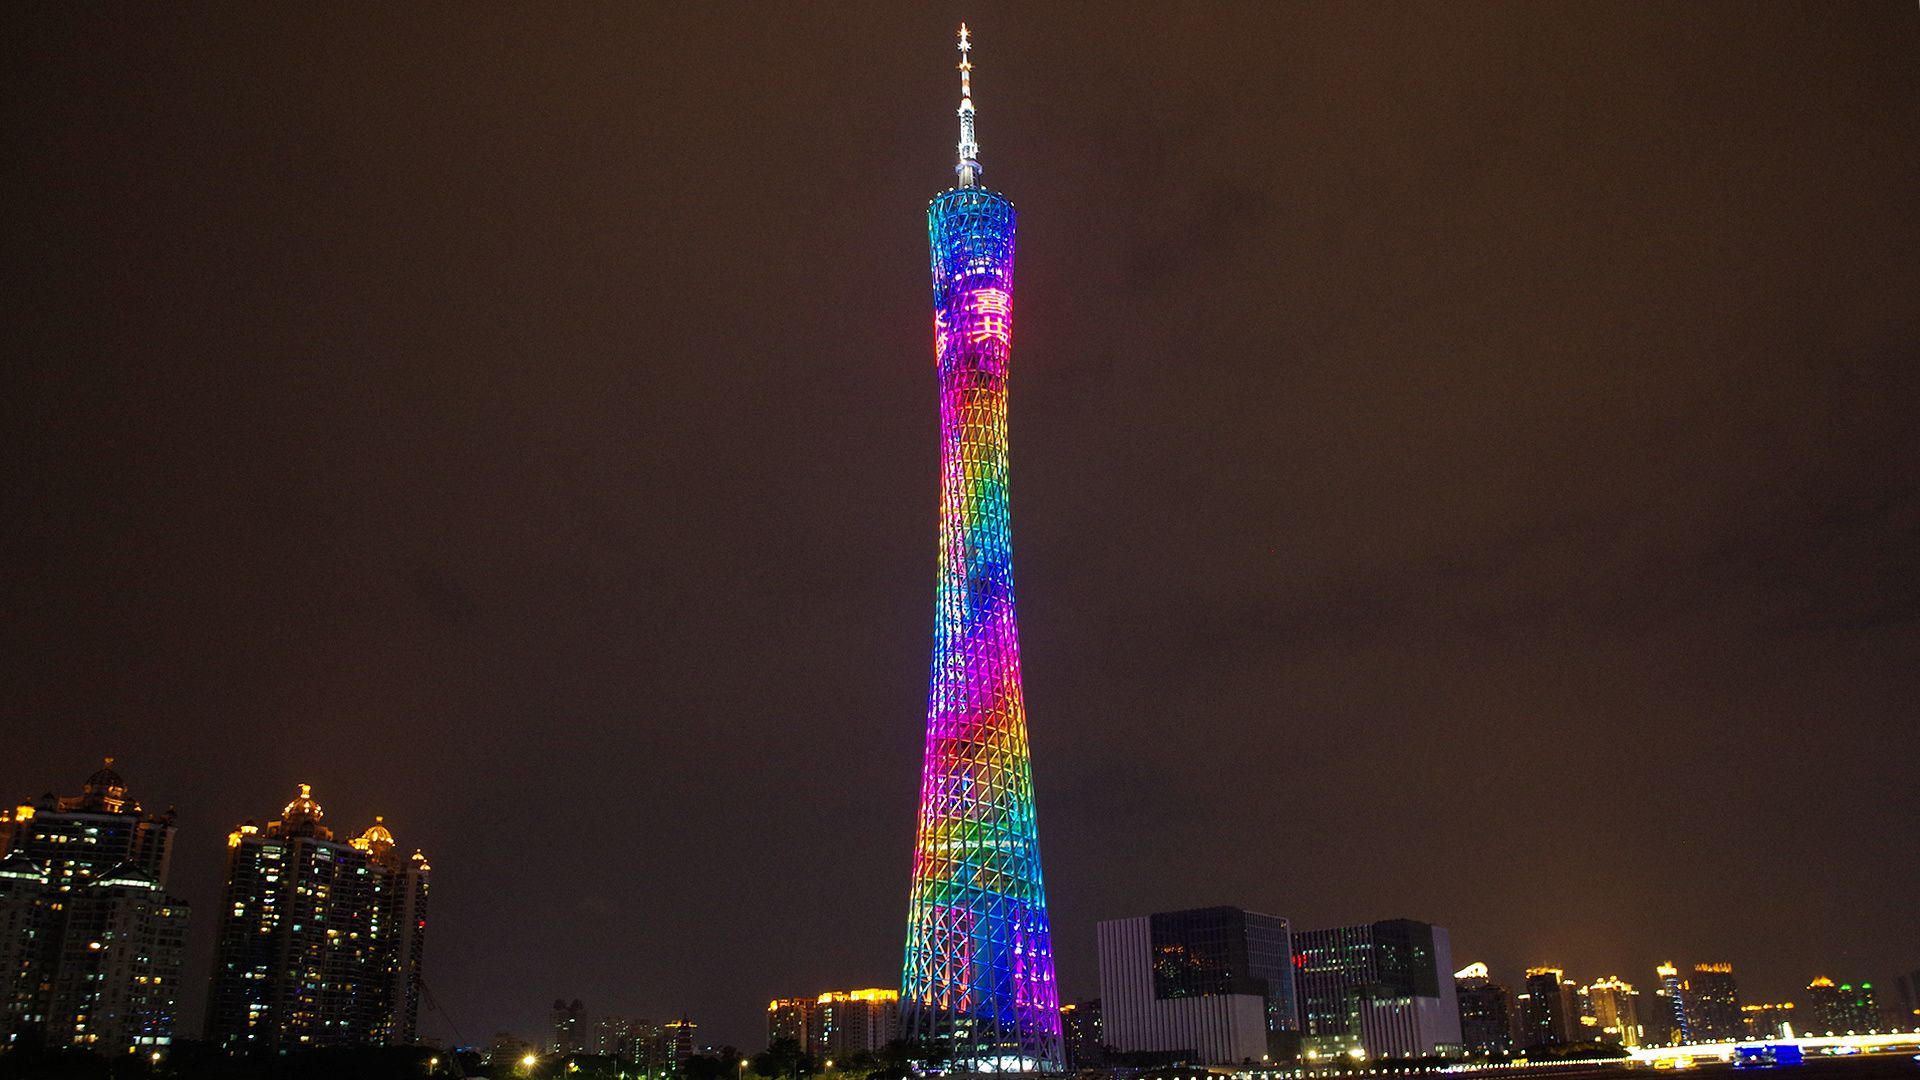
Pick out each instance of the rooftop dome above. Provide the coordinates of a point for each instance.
(303, 807)
(105, 781)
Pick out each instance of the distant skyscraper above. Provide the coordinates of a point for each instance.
(567, 1029)
(1613, 1005)
(93, 942)
(978, 974)
(848, 1021)
(679, 1041)
(1714, 1003)
(1547, 1015)
(320, 941)
(1083, 1028)
(1909, 997)
(1774, 1021)
(1486, 1013)
(1209, 986)
(1679, 1020)
(791, 1018)
(613, 1037)
(1383, 989)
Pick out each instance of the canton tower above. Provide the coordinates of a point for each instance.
(978, 979)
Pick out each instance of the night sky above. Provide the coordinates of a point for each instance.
(1463, 469)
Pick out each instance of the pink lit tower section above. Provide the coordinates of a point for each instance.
(978, 979)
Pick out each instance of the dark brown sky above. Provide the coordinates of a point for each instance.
(1464, 468)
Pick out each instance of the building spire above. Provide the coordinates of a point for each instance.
(969, 166)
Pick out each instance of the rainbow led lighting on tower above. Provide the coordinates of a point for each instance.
(978, 979)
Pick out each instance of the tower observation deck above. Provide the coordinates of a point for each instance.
(977, 985)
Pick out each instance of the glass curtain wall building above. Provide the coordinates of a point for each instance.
(977, 984)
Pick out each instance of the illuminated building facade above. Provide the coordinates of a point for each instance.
(1376, 990)
(977, 981)
(91, 944)
(848, 1021)
(791, 1018)
(1209, 986)
(1612, 1012)
(678, 1042)
(1841, 1008)
(1713, 1003)
(320, 941)
(1486, 1013)
(1769, 1021)
(1678, 1018)
(1548, 1008)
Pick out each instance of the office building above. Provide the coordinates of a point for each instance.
(977, 976)
(93, 941)
(1548, 1012)
(320, 941)
(1714, 1003)
(1205, 986)
(1377, 990)
(1612, 1012)
(1486, 1013)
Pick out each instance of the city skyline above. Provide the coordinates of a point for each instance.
(1492, 425)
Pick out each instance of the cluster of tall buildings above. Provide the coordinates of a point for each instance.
(836, 1024)
(1225, 986)
(652, 1048)
(319, 940)
(1698, 1005)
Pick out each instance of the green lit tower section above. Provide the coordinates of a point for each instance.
(977, 986)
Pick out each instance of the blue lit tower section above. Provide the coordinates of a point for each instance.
(977, 984)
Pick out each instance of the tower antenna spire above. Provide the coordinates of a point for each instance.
(969, 166)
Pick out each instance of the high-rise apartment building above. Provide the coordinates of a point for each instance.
(977, 977)
(1486, 1013)
(678, 1042)
(845, 1022)
(1612, 1012)
(1714, 1003)
(568, 1031)
(1083, 1028)
(1377, 990)
(93, 942)
(1206, 986)
(1841, 1008)
(1549, 1011)
(321, 941)
(1768, 1021)
(791, 1018)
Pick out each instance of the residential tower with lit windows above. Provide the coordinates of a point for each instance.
(321, 941)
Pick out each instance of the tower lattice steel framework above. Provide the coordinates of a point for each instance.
(978, 980)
